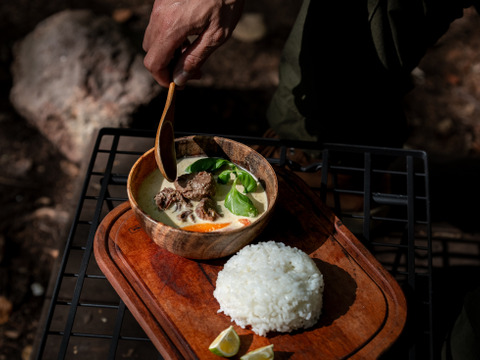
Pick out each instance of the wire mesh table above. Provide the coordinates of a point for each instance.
(85, 318)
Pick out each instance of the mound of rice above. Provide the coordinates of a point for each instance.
(271, 287)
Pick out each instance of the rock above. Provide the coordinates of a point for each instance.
(2, 247)
(75, 73)
(250, 28)
(12, 334)
(37, 289)
(27, 352)
(21, 167)
(122, 15)
(5, 309)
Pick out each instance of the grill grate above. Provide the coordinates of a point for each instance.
(391, 216)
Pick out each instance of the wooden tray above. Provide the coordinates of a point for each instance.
(172, 297)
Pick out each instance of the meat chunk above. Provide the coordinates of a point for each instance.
(206, 209)
(196, 186)
(168, 197)
(185, 215)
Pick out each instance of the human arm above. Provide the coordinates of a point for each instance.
(172, 22)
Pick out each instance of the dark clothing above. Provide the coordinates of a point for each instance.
(344, 72)
(346, 68)
(463, 342)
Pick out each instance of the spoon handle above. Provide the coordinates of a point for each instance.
(165, 154)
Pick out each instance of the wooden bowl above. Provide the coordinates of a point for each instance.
(198, 245)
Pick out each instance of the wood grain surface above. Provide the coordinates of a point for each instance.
(171, 297)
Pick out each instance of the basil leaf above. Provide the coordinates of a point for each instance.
(224, 176)
(236, 202)
(206, 164)
(239, 204)
(247, 180)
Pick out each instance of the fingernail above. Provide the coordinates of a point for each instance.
(181, 78)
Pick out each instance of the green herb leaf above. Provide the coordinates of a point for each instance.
(206, 164)
(224, 176)
(247, 180)
(236, 202)
(239, 204)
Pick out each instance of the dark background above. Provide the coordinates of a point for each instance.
(38, 186)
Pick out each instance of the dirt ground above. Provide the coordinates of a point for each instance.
(38, 185)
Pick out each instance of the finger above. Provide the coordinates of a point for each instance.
(159, 45)
(161, 59)
(152, 29)
(156, 56)
(157, 68)
(147, 37)
(194, 56)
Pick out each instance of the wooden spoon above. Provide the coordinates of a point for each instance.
(165, 140)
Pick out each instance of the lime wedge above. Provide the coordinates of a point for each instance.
(226, 343)
(263, 353)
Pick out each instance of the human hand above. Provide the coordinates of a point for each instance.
(173, 21)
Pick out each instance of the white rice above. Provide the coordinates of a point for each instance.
(271, 287)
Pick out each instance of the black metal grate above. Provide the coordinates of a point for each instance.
(85, 318)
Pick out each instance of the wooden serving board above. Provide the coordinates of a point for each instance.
(171, 297)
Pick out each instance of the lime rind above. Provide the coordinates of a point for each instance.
(226, 344)
(263, 353)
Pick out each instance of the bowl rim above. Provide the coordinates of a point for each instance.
(267, 212)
